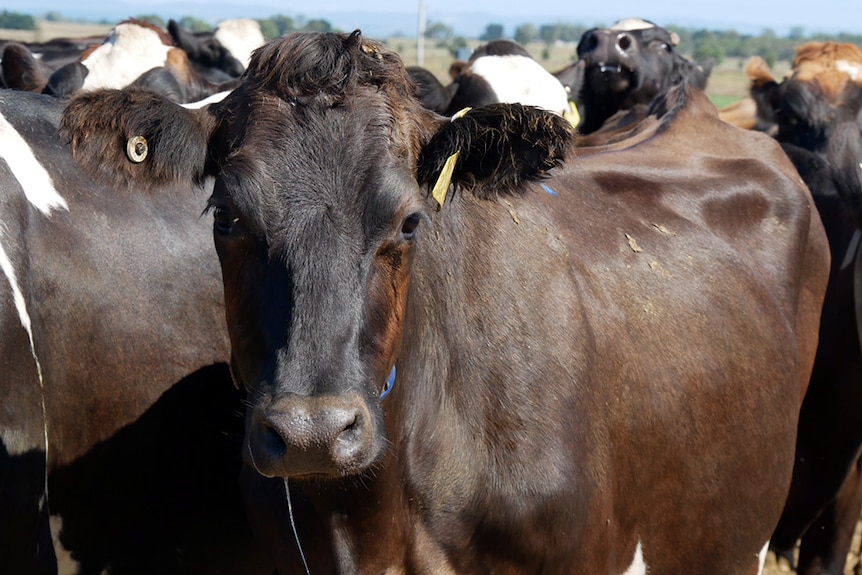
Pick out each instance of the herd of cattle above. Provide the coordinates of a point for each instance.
(443, 329)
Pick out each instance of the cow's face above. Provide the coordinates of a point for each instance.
(323, 162)
(316, 211)
(629, 63)
(823, 90)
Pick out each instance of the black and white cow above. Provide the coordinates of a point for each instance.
(628, 64)
(222, 54)
(119, 424)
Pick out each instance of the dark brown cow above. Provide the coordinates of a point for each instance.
(120, 428)
(816, 110)
(588, 368)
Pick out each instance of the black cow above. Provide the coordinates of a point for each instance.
(120, 427)
(627, 64)
(816, 110)
(523, 367)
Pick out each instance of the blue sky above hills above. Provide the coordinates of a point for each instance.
(469, 18)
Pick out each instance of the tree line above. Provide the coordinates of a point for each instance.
(701, 44)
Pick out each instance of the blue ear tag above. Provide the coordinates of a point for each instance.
(390, 383)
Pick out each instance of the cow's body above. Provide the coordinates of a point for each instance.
(815, 110)
(113, 358)
(595, 374)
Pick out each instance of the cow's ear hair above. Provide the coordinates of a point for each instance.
(137, 137)
(499, 147)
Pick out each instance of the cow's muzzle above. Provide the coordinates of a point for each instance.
(327, 436)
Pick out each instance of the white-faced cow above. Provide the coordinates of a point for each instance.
(120, 428)
(464, 356)
(135, 52)
(816, 110)
(626, 65)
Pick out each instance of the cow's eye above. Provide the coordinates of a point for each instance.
(408, 227)
(223, 220)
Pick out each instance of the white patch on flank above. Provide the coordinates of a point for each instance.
(206, 101)
(852, 69)
(638, 566)
(241, 37)
(129, 51)
(21, 305)
(629, 24)
(518, 79)
(34, 179)
(761, 558)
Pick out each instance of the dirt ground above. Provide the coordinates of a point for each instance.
(852, 567)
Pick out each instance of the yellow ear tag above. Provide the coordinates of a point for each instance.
(441, 188)
(442, 185)
(572, 114)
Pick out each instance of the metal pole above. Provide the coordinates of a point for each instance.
(420, 36)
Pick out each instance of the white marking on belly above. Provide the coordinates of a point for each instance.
(522, 80)
(761, 558)
(34, 179)
(66, 563)
(638, 566)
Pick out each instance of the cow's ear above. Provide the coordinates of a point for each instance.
(491, 151)
(763, 89)
(137, 137)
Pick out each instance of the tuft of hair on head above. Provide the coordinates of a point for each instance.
(500, 147)
(314, 68)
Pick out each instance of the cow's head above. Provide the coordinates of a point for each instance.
(822, 90)
(323, 164)
(627, 64)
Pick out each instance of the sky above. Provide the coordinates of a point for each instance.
(469, 17)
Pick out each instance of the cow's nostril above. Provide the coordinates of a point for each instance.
(272, 441)
(624, 42)
(588, 43)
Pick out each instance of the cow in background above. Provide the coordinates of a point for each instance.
(499, 71)
(816, 110)
(132, 49)
(503, 71)
(120, 427)
(223, 54)
(624, 66)
(464, 355)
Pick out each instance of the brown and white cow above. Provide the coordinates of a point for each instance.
(464, 356)
(120, 427)
(816, 110)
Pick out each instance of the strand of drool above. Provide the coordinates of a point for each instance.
(293, 526)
